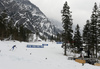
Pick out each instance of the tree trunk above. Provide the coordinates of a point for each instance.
(96, 50)
(65, 49)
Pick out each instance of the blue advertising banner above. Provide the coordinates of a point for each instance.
(35, 46)
(59, 42)
(44, 44)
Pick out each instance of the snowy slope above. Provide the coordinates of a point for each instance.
(49, 57)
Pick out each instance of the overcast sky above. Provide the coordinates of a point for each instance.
(81, 9)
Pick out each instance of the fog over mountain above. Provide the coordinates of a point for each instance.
(57, 23)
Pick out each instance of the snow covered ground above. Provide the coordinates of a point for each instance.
(49, 57)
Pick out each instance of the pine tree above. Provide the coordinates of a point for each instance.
(91, 32)
(93, 29)
(98, 28)
(58, 37)
(86, 34)
(98, 25)
(3, 24)
(37, 33)
(67, 25)
(52, 38)
(77, 38)
(8, 30)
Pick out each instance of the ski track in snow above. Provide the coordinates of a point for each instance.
(49, 57)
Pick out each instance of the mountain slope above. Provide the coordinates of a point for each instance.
(25, 13)
(57, 23)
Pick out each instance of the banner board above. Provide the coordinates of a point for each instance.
(35, 46)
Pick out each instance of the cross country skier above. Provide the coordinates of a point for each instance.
(13, 47)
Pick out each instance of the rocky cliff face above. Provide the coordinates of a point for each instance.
(25, 13)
